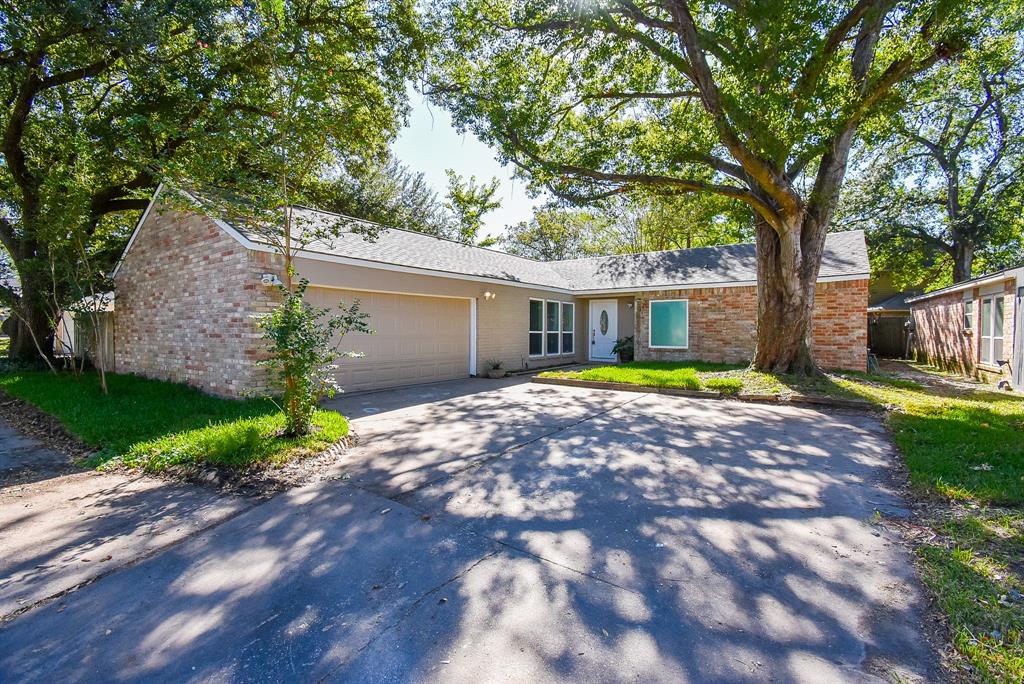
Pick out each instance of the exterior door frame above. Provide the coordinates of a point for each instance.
(613, 326)
(1017, 363)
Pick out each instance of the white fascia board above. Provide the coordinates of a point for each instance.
(138, 227)
(1008, 274)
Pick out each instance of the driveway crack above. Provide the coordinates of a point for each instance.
(413, 606)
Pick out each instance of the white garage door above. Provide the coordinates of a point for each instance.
(416, 339)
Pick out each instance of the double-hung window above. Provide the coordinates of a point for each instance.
(669, 324)
(536, 327)
(968, 314)
(552, 328)
(992, 329)
(552, 321)
(568, 328)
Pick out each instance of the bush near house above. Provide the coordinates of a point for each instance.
(154, 425)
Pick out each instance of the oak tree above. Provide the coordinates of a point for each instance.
(757, 101)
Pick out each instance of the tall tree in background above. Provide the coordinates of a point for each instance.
(103, 98)
(469, 202)
(756, 101)
(386, 192)
(557, 233)
(944, 185)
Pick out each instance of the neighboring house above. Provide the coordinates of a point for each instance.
(887, 326)
(189, 285)
(975, 327)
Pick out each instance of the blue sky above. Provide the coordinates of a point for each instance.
(429, 144)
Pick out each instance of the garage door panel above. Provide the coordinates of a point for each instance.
(417, 339)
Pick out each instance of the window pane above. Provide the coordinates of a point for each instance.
(552, 343)
(567, 343)
(669, 322)
(567, 316)
(536, 344)
(552, 317)
(536, 315)
(997, 324)
(968, 314)
(986, 317)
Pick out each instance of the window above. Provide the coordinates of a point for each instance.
(568, 328)
(552, 321)
(552, 328)
(968, 314)
(669, 324)
(536, 327)
(992, 329)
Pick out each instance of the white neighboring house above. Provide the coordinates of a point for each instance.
(74, 336)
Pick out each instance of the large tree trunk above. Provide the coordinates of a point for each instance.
(787, 271)
(963, 261)
(31, 329)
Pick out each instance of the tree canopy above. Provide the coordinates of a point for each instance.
(758, 102)
(106, 98)
(940, 188)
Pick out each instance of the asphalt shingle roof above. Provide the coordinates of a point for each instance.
(845, 255)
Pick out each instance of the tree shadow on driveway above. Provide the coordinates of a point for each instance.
(638, 538)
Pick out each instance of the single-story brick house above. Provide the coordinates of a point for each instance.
(975, 327)
(188, 286)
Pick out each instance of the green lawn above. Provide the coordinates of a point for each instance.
(964, 451)
(153, 425)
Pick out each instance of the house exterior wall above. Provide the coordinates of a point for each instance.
(723, 324)
(185, 295)
(940, 336)
(503, 319)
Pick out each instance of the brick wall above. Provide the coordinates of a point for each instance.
(723, 324)
(185, 296)
(941, 339)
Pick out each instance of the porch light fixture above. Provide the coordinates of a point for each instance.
(488, 295)
(269, 279)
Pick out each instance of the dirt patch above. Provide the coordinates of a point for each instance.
(264, 481)
(944, 384)
(30, 421)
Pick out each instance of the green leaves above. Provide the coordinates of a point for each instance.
(303, 343)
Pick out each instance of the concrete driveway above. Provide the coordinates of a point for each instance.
(504, 531)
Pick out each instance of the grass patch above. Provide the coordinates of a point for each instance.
(977, 580)
(965, 448)
(154, 425)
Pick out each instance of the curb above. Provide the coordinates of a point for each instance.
(796, 399)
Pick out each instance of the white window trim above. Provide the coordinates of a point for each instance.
(544, 331)
(547, 332)
(993, 361)
(561, 333)
(968, 322)
(531, 331)
(650, 323)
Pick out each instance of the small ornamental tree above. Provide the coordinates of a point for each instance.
(303, 343)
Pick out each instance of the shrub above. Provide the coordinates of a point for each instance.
(303, 348)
